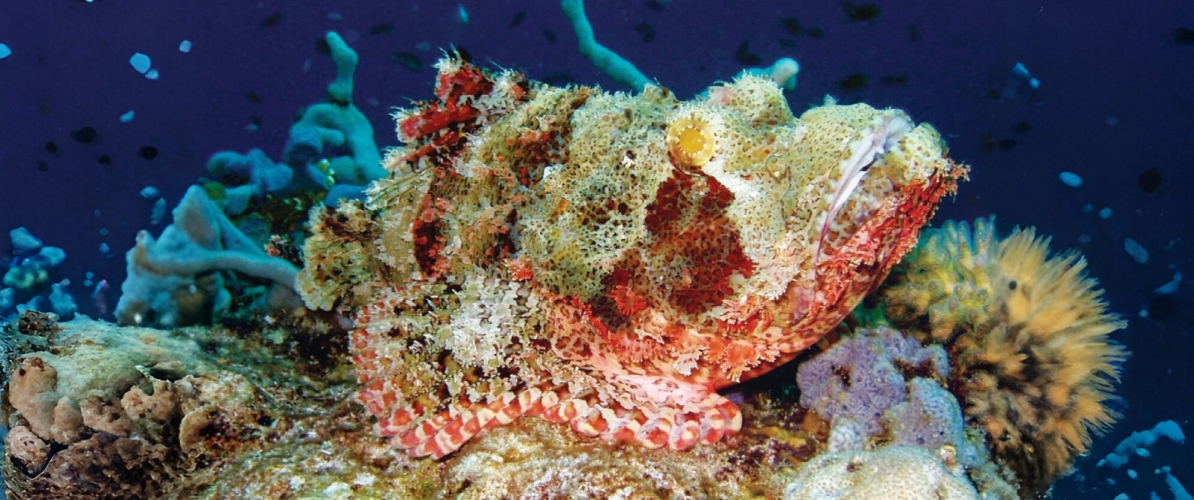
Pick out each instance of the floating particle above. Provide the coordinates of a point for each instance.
(1171, 287)
(1020, 127)
(4, 51)
(815, 33)
(1021, 71)
(408, 60)
(1161, 307)
(989, 144)
(744, 56)
(1007, 144)
(270, 20)
(913, 33)
(42, 166)
(791, 25)
(1183, 36)
(1087, 208)
(1070, 179)
(85, 135)
(103, 231)
(1131, 473)
(184, 46)
(158, 212)
(461, 14)
(51, 147)
(655, 5)
(104, 248)
(1105, 213)
(863, 12)
(152, 74)
(105, 160)
(253, 97)
(1084, 238)
(1138, 253)
(852, 83)
(306, 65)
(1150, 180)
(335, 16)
(148, 152)
(140, 62)
(550, 36)
(646, 30)
(149, 192)
(322, 47)
(381, 29)
(127, 116)
(518, 18)
(894, 80)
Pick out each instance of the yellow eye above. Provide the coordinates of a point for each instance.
(690, 143)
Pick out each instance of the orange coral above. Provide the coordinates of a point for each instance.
(1028, 336)
(540, 253)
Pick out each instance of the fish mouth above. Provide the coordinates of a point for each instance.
(858, 194)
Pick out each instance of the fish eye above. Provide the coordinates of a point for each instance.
(689, 143)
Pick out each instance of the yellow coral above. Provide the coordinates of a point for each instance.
(1029, 334)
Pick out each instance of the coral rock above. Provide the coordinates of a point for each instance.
(892, 472)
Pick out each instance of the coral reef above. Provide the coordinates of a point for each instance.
(28, 282)
(336, 125)
(540, 251)
(263, 176)
(881, 389)
(97, 411)
(1027, 335)
(892, 472)
(254, 412)
(336, 128)
(608, 61)
(864, 375)
(174, 281)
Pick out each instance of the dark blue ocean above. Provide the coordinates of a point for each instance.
(1022, 91)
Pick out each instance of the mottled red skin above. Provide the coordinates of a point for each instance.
(605, 326)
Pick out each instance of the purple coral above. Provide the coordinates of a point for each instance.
(861, 377)
(930, 418)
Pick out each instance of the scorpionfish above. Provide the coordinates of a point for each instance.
(610, 260)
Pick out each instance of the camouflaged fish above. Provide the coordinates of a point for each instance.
(610, 261)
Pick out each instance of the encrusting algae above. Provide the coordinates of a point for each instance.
(609, 260)
(1028, 337)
